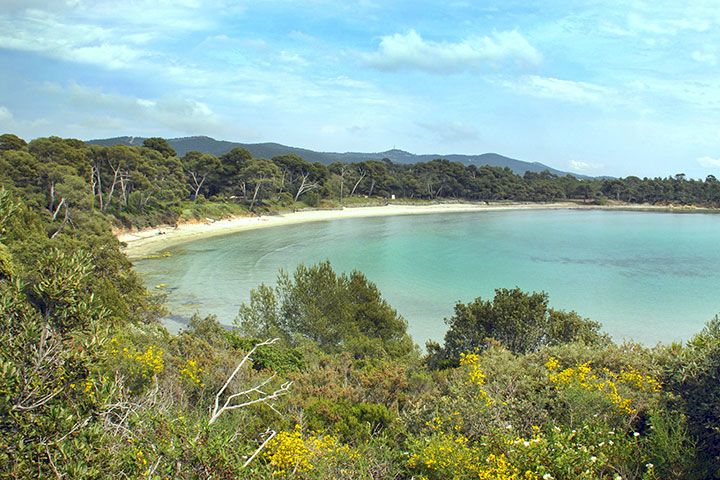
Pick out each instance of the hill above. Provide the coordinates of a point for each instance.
(269, 150)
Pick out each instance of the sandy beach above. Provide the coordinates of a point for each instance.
(149, 241)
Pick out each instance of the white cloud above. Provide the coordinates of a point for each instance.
(452, 132)
(585, 167)
(178, 114)
(698, 92)
(302, 36)
(667, 26)
(555, 88)
(44, 34)
(334, 129)
(161, 15)
(709, 162)
(100, 32)
(347, 82)
(6, 116)
(10, 124)
(704, 57)
(411, 51)
(292, 58)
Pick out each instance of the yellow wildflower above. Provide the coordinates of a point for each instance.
(192, 372)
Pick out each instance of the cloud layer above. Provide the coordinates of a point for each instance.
(627, 87)
(584, 167)
(558, 89)
(709, 162)
(411, 51)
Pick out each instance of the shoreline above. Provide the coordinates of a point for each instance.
(150, 241)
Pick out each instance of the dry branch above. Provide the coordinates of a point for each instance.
(263, 397)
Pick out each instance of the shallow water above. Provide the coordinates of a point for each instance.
(648, 277)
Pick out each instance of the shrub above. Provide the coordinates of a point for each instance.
(353, 422)
(694, 375)
(521, 322)
(338, 312)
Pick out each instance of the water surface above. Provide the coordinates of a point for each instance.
(645, 276)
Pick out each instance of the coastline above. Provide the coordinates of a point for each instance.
(146, 242)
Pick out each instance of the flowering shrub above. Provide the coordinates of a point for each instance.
(137, 366)
(449, 456)
(192, 372)
(607, 383)
(147, 363)
(586, 453)
(475, 374)
(290, 453)
(557, 453)
(589, 422)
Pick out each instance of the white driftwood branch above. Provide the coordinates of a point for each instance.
(272, 434)
(264, 397)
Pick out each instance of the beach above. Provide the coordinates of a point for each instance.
(145, 242)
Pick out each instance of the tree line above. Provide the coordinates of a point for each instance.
(151, 184)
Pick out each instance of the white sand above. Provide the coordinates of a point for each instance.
(150, 241)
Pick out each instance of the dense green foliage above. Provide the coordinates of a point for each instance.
(695, 377)
(149, 185)
(92, 385)
(339, 313)
(521, 322)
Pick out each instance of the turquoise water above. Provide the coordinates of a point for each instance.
(648, 277)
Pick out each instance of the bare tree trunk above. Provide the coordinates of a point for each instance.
(305, 186)
(98, 185)
(65, 220)
(198, 185)
(342, 183)
(123, 186)
(57, 210)
(92, 184)
(247, 396)
(357, 183)
(372, 187)
(300, 188)
(257, 189)
(144, 202)
(116, 171)
(51, 204)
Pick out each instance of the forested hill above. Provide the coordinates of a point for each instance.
(270, 150)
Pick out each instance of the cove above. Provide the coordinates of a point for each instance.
(648, 277)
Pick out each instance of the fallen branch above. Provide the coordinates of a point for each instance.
(272, 434)
(229, 403)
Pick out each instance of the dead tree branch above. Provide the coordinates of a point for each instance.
(263, 397)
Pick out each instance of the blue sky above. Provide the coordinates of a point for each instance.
(594, 87)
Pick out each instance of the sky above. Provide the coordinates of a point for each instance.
(594, 87)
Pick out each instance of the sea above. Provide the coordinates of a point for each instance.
(647, 277)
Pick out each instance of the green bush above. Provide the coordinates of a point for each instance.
(694, 375)
(338, 312)
(521, 322)
(353, 422)
(278, 358)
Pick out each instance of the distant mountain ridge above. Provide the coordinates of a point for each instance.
(269, 150)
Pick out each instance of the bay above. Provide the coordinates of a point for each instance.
(648, 277)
